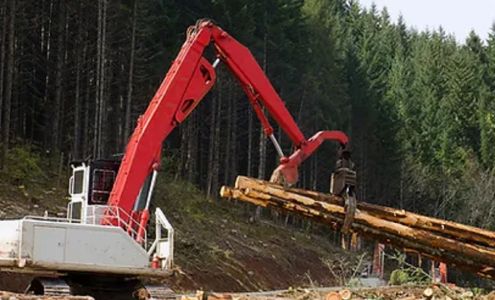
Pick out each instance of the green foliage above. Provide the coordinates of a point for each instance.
(23, 164)
(419, 106)
(406, 273)
(398, 277)
(183, 196)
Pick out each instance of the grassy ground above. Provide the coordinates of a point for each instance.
(218, 247)
(29, 184)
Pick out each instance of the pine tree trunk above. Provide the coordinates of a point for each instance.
(182, 152)
(55, 143)
(86, 147)
(3, 41)
(97, 81)
(261, 167)
(100, 80)
(228, 135)
(47, 46)
(211, 146)
(128, 106)
(102, 86)
(9, 79)
(233, 150)
(191, 147)
(15, 103)
(314, 171)
(76, 152)
(216, 156)
(250, 143)
(262, 140)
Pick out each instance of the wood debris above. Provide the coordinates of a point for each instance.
(406, 292)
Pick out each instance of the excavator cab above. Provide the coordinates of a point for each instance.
(89, 188)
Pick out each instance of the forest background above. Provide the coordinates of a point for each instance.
(418, 105)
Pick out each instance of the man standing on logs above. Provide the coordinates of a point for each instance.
(343, 183)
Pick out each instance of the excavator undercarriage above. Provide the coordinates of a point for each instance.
(99, 287)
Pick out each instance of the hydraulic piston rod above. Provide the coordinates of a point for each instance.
(277, 145)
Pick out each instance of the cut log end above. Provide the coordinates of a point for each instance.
(333, 296)
(428, 293)
(225, 192)
(345, 294)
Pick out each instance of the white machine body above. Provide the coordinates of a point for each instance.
(80, 243)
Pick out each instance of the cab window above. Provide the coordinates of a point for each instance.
(78, 183)
(102, 185)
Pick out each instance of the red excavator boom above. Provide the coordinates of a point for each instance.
(189, 79)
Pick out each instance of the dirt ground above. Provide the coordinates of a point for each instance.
(259, 257)
(218, 247)
(407, 292)
(384, 293)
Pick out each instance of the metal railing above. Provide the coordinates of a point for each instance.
(102, 215)
(161, 247)
(46, 218)
(95, 214)
(116, 216)
(166, 256)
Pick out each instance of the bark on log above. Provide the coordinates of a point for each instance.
(333, 221)
(465, 246)
(455, 230)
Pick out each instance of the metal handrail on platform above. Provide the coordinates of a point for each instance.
(161, 222)
(47, 218)
(116, 216)
(162, 246)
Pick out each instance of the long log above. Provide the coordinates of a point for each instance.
(430, 252)
(311, 208)
(378, 222)
(466, 233)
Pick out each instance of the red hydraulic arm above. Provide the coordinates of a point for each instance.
(189, 79)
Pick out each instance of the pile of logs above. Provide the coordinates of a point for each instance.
(466, 247)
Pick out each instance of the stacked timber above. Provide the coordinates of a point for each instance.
(466, 247)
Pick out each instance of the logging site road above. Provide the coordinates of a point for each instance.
(410, 292)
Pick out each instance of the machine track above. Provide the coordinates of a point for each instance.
(49, 286)
(160, 292)
(98, 287)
